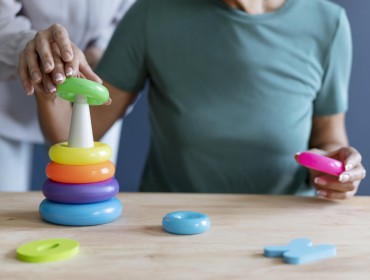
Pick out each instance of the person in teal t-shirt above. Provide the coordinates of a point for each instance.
(236, 89)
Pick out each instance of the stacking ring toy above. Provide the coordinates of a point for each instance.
(320, 163)
(61, 153)
(80, 174)
(81, 214)
(96, 93)
(186, 222)
(48, 250)
(80, 193)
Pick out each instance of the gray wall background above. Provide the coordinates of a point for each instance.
(358, 117)
(134, 142)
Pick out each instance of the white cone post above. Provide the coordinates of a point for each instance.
(80, 131)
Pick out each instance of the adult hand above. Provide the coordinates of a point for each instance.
(346, 185)
(51, 52)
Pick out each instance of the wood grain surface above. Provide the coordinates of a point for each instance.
(136, 247)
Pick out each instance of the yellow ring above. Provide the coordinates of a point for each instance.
(62, 154)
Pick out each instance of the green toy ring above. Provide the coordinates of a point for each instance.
(48, 250)
(96, 93)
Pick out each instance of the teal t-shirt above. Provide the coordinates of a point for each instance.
(232, 95)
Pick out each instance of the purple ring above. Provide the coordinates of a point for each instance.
(80, 193)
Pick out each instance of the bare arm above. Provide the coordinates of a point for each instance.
(103, 117)
(54, 116)
(329, 137)
(328, 132)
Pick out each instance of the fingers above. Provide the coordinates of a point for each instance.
(57, 76)
(58, 72)
(42, 45)
(355, 174)
(40, 90)
(331, 189)
(352, 158)
(32, 62)
(335, 195)
(69, 70)
(109, 101)
(55, 34)
(48, 82)
(72, 67)
(331, 183)
(345, 186)
(61, 38)
(79, 67)
(23, 75)
(348, 155)
(29, 68)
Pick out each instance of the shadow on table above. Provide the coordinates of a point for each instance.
(18, 219)
(11, 255)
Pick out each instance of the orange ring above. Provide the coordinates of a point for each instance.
(80, 174)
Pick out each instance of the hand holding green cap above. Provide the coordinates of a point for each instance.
(82, 93)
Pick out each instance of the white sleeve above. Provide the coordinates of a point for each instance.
(106, 34)
(15, 32)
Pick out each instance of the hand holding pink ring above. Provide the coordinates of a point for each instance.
(320, 163)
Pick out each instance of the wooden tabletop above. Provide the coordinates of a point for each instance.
(136, 247)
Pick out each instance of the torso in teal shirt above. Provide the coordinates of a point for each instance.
(232, 95)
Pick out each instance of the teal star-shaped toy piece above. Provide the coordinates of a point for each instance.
(300, 251)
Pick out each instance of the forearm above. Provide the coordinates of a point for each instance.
(330, 146)
(103, 117)
(54, 117)
(328, 133)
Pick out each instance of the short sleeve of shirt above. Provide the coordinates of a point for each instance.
(333, 95)
(123, 63)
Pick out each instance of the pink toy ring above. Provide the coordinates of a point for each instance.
(320, 163)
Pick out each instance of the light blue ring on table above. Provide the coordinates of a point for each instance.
(186, 222)
(81, 214)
